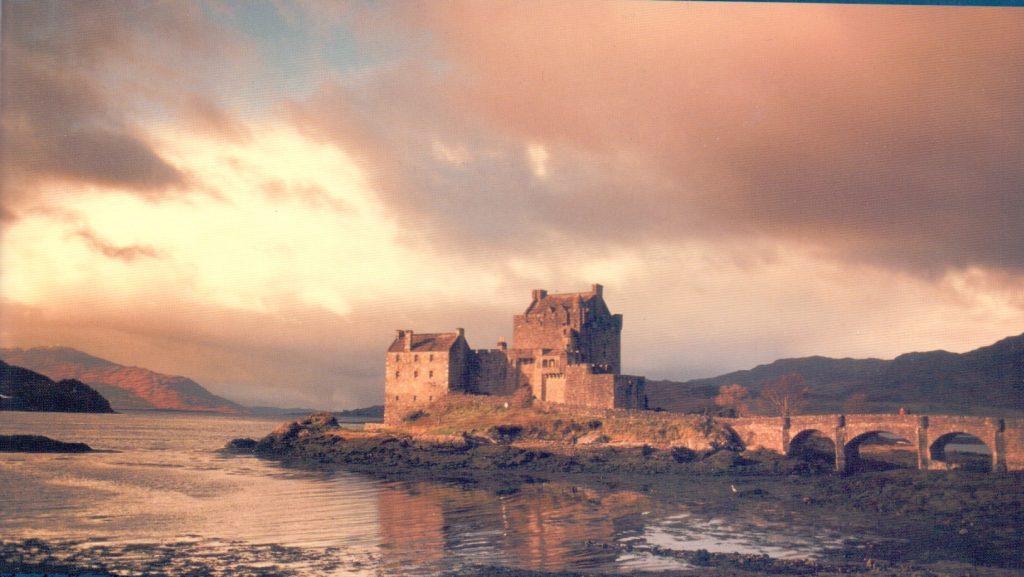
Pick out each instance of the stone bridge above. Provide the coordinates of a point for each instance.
(928, 435)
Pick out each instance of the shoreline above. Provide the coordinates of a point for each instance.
(942, 523)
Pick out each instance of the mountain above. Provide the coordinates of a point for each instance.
(127, 388)
(25, 390)
(986, 380)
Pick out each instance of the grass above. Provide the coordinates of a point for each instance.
(520, 419)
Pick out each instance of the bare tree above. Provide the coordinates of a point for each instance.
(785, 395)
(734, 398)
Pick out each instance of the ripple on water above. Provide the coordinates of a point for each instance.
(151, 506)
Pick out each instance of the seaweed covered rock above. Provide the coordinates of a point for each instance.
(244, 445)
(286, 434)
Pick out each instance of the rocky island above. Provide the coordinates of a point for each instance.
(552, 407)
(25, 390)
(935, 523)
(39, 444)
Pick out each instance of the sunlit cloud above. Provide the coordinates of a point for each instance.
(749, 182)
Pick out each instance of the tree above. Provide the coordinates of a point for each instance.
(785, 395)
(733, 398)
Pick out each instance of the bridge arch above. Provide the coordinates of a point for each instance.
(960, 450)
(809, 439)
(886, 457)
(813, 445)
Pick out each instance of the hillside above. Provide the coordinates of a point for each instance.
(987, 380)
(25, 390)
(127, 388)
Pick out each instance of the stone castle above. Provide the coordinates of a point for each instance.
(565, 347)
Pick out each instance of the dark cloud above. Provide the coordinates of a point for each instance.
(125, 253)
(75, 77)
(889, 135)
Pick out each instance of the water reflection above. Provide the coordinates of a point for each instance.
(166, 501)
(542, 527)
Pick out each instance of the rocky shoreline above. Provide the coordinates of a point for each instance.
(940, 523)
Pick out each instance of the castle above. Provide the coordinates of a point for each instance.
(565, 347)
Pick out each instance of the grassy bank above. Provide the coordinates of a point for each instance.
(520, 419)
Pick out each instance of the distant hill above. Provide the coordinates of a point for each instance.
(25, 390)
(373, 412)
(127, 388)
(986, 380)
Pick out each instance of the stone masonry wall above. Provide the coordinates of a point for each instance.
(630, 392)
(414, 379)
(584, 388)
(600, 343)
(490, 373)
(531, 332)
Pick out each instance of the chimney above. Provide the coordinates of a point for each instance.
(596, 289)
(461, 331)
(538, 294)
(502, 345)
(406, 339)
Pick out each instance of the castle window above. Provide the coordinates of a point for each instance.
(397, 374)
(431, 374)
(415, 374)
(414, 398)
(415, 358)
(396, 397)
(431, 358)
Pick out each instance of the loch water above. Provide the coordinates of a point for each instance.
(158, 497)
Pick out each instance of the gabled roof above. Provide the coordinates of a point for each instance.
(425, 342)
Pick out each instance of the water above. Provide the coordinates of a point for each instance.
(160, 498)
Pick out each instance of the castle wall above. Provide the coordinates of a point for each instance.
(541, 331)
(630, 392)
(413, 379)
(584, 388)
(600, 343)
(552, 387)
(459, 368)
(490, 373)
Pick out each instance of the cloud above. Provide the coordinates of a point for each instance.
(124, 253)
(747, 181)
(889, 135)
(75, 77)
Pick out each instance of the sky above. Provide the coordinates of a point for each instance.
(256, 195)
